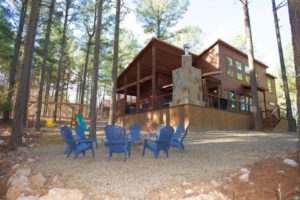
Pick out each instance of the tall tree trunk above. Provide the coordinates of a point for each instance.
(17, 127)
(46, 99)
(61, 58)
(291, 123)
(88, 50)
(42, 71)
(96, 67)
(15, 58)
(294, 12)
(85, 72)
(112, 112)
(255, 106)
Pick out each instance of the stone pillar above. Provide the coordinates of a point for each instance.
(187, 84)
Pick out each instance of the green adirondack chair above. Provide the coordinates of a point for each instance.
(82, 122)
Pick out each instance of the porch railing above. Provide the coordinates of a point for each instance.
(219, 102)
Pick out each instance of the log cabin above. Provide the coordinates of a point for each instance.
(210, 91)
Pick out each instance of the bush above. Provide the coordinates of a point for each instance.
(6, 107)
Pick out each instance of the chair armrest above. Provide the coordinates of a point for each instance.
(118, 142)
(84, 141)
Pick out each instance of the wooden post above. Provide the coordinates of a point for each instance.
(138, 76)
(265, 101)
(154, 93)
(125, 94)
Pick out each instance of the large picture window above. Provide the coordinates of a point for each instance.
(231, 95)
(239, 66)
(229, 61)
(269, 84)
(239, 76)
(230, 71)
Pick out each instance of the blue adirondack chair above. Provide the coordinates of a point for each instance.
(78, 146)
(82, 122)
(135, 133)
(177, 140)
(117, 141)
(61, 134)
(80, 135)
(160, 143)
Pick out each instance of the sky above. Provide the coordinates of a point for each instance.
(224, 19)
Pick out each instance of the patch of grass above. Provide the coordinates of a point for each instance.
(52, 140)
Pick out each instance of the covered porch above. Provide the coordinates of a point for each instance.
(146, 84)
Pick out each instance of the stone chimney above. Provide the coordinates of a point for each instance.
(187, 82)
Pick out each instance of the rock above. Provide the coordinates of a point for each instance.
(30, 160)
(244, 178)
(56, 182)
(15, 167)
(290, 162)
(25, 171)
(66, 194)
(2, 142)
(22, 197)
(245, 171)
(12, 193)
(38, 180)
(188, 191)
(215, 183)
(21, 182)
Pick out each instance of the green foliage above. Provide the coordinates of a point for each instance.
(6, 106)
(240, 42)
(6, 39)
(158, 16)
(191, 35)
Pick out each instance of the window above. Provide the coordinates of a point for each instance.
(229, 61)
(242, 102)
(230, 71)
(239, 76)
(247, 69)
(247, 79)
(239, 66)
(269, 84)
(231, 95)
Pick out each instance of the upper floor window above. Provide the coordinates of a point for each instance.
(229, 61)
(247, 69)
(239, 66)
(269, 84)
(230, 71)
(247, 79)
(239, 76)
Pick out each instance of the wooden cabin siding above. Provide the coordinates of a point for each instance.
(209, 61)
(199, 118)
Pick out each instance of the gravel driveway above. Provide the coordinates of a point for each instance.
(208, 155)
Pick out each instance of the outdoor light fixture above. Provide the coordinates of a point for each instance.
(186, 48)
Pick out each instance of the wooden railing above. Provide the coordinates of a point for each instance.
(215, 101)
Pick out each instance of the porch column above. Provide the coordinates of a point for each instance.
(125, 94)
(138, 77)
(265, 101)
(154, 93)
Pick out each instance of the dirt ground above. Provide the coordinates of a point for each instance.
(209, 169)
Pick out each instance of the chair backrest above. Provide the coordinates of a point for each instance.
(166, 133)
(185, 133)
(115, 133)
(81, 121)
(68, 137)
(80, 132)
(159, 129)
(135, 132)
(179, 130)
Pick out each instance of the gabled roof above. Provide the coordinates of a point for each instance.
(222, 42)
(141, 52)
